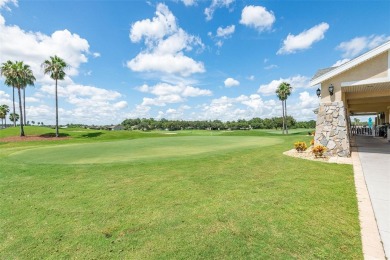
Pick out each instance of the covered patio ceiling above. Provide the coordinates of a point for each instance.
(367, 98)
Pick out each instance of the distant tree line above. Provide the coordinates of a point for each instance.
(146, 124)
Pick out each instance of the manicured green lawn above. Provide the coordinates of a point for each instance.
(139, 150)
(232, 195)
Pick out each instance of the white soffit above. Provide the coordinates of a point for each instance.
(368, 87)
(365, 82)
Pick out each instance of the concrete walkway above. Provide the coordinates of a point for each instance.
(374, 154)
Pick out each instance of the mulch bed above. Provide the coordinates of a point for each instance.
(30, 138)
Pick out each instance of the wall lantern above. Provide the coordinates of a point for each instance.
(331, 89)
(318, 92)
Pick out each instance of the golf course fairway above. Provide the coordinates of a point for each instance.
(138, 150)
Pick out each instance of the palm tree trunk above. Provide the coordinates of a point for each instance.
(13, 101)
(21, 113)
(285, 113)
(5, 120)
(57, 134)
(24, 105)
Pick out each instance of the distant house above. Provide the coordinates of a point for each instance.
(116, 128)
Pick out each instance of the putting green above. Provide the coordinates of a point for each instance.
(144, 149)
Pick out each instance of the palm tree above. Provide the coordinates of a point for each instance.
(55, 67)
(2, 116)
(18, 75)
(13, 117)
(4, 109)
(24, 106)
(5, 68)
(282, 92)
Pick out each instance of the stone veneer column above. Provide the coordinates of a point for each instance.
(332, 130)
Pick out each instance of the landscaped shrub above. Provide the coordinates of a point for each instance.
(300, 146)
(319, 150)
(312, 142)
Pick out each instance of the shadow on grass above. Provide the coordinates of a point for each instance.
(50, 135)
(91, 135)
(299, 133)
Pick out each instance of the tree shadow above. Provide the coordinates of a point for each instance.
(91, 135)
(51, 135)
(297, 133)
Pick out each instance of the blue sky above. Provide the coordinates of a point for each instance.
(183, 59)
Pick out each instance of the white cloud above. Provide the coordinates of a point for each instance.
(167, 63)
(195, 92)
(215, 4)
(254, 101)
(4, 4)
(5, 99)
(230, 82)
(165, 46)
(257, 17)
(300, 106)
(167, 94)
(295, 82)
(251, 77)
(140, 111)
(96, 54)
(40, 113)
(359, 45)
(162, 100)
(74, 91)
(222, 33)
(32, 100)
(304, 40)
(85, 111)
(340, 62)
(226, 32)
(189, 2)
(163, 89)
(219, 43)
(35, 47)
(272, 66)
(88, 73)
(225, 108)
(164, 23)
(249, 106)
(90, 105)
(171, 111)
(307, 101)
(120, 105)
(302, 110)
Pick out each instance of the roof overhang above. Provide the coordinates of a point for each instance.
(352, 63)
(380, 84)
